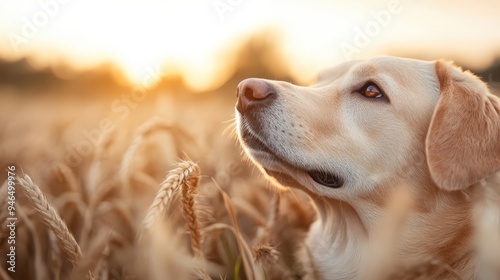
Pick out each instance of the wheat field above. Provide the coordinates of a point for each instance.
(166, 194)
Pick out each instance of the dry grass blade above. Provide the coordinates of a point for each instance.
(245, 207)
(50, 217)
(216, 229)
(246, 254)
(102, 268)
(176, 177)
(70, 178)
(273, 218)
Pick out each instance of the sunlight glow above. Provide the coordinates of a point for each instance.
(138, 35)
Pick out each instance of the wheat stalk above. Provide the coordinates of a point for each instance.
(70, 178)
(102, 266)
(186, 176)
(50, 218)
(37, 252)
(55, 256)
(245, 252)
(175, 178)
(95, 168)
(262, 248)
(139, 137)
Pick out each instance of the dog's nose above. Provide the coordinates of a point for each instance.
(252, 93)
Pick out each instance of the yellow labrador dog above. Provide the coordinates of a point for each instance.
(365, 129)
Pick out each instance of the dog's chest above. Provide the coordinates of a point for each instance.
(334, 255)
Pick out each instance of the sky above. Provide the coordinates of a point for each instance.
(192, 35)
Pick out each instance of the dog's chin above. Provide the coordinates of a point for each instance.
(284, 170)
(282, 173)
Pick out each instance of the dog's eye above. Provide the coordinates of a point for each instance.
(326, 179)
(371, 90)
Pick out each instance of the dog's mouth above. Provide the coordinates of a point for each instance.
(325, 178)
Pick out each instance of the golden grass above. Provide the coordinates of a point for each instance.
(107, 227)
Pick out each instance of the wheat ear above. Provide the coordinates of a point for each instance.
(188, 207)
(175, 178)
(50, 218)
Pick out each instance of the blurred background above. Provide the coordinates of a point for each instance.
(79, 78)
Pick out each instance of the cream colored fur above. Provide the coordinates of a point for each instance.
(436, 136)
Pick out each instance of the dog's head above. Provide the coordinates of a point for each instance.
(366, 124)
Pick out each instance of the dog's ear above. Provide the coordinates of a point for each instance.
(463, 141)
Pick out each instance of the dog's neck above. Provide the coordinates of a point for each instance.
(344, 231)
(361, 216)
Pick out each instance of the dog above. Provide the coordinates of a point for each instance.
(365, 129)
